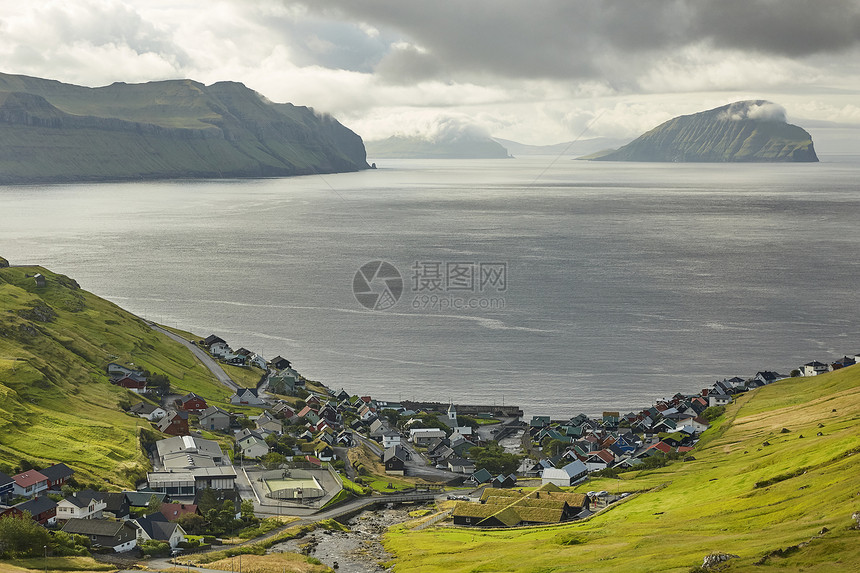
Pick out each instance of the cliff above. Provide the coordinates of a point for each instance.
(55, 132)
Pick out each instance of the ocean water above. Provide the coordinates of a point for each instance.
(556, 285)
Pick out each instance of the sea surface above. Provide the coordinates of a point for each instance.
(560, 286)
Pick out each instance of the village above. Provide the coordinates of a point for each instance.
(292, 447)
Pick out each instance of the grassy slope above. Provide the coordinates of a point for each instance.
(56, 404)
(690, 509)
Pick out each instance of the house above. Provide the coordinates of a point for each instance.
(509, 508)
(247, 397)
(174, 423)
(390, 438)
(768, 377)
(566, 476)
(117, 505)
(221, 350)
(120, 536)
(251, 444)
(813, 368)
(461, 465)
(504, 481)
(57, 474)
(324, 452)
(376, 428)
(481, 476)
(7, 485)
(40, 280)
(394, 459)
(698, 424)
(279, 363)
(86, 504)
(212, 339)
(42, 510)
(142, 499)
(283, 383)
(132, 382)
(158, 528)
(192, 403)
(423, 436)
(215, 419)
(29, 483)
(715, 399)
(599, 460)
(267, 423)
(173, 511)
(148, 411)
(118, 370)
(842, 363)
(284, 410)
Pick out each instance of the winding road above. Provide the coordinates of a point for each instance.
(202, 356)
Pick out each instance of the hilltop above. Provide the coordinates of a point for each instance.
(744, 131)
(56, 403)
(53, 132)
(773, 481)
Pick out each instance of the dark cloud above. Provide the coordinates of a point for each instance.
(592, 38)
(328, 43)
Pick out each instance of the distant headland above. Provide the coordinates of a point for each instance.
(56, 132)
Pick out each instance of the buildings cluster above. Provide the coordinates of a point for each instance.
(116, 520)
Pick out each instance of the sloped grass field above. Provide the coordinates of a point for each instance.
(768, 504)
(56, 403)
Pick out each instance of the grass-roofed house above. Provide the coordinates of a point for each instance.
(509, 508)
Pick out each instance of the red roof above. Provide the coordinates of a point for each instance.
(29, 478)
(684, 449)
(663, 447)
(173, 511)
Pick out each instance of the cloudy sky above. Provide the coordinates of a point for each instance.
(538, 71)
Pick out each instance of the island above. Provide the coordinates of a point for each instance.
(744, 131)
(57, 132)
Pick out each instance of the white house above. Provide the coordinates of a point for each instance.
(566, 476)
(813, 368)
(220, 349)
(80, 506)
(247, 397)
(719, 400)
(158, 528)
(390, 439)
(423, 436)
(150, 412)
(698, 424)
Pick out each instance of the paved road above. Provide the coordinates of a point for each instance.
(201, 355)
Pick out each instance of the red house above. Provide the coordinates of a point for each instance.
(57, 474)
(175, 424)
(43, 510)
(133, 384)
(192, 403)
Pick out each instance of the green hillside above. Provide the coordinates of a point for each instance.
(50, 131)
(56, 403)
(739, 132)
(764, 485)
